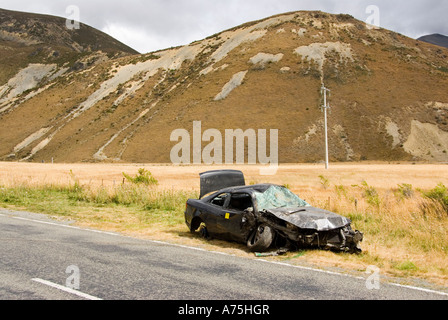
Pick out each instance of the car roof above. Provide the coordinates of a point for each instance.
(249, 189)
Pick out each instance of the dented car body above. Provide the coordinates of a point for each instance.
(265, 215)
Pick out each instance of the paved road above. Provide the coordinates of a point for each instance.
(36, 252)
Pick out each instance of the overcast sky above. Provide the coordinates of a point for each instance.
(149, 25)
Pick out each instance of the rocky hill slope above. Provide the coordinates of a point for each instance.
(389, 99)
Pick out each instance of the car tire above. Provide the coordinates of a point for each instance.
(261, 239)
(204, 232)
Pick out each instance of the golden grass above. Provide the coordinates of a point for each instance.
(406, 234)
(303, 177)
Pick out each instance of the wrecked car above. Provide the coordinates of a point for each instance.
(264, 216)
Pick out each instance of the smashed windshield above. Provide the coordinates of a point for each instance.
(278, 197)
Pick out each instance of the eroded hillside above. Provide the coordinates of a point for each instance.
(389, 98)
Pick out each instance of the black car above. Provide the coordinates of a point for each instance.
(264, 216)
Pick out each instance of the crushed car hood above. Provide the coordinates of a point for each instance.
(311, 218)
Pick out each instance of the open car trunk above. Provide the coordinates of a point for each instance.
(212, 181)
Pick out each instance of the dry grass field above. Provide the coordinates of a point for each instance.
(396, 206)
(301, 177)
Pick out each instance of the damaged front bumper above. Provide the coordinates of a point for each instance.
(342, 240)
(338, 238)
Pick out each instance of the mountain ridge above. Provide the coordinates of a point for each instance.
(35, 38)
(32, 28)
(436, 38)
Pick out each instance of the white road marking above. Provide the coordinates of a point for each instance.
(66, 289)
(58, 225)
(226, 254)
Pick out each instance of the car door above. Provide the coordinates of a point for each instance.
(234, 216)
(214, 220)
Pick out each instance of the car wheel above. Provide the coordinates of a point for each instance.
(261, 239)
(203, 231)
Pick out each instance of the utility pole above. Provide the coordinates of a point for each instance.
(326, 107)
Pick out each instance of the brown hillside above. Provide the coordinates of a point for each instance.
(389, 95)
(33, 29)
(34, 38)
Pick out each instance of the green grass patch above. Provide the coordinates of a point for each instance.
(127, 202)
(406, 266)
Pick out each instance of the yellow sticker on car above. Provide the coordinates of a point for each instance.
(227, 216)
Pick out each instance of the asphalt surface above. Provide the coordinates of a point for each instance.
(36, 252)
